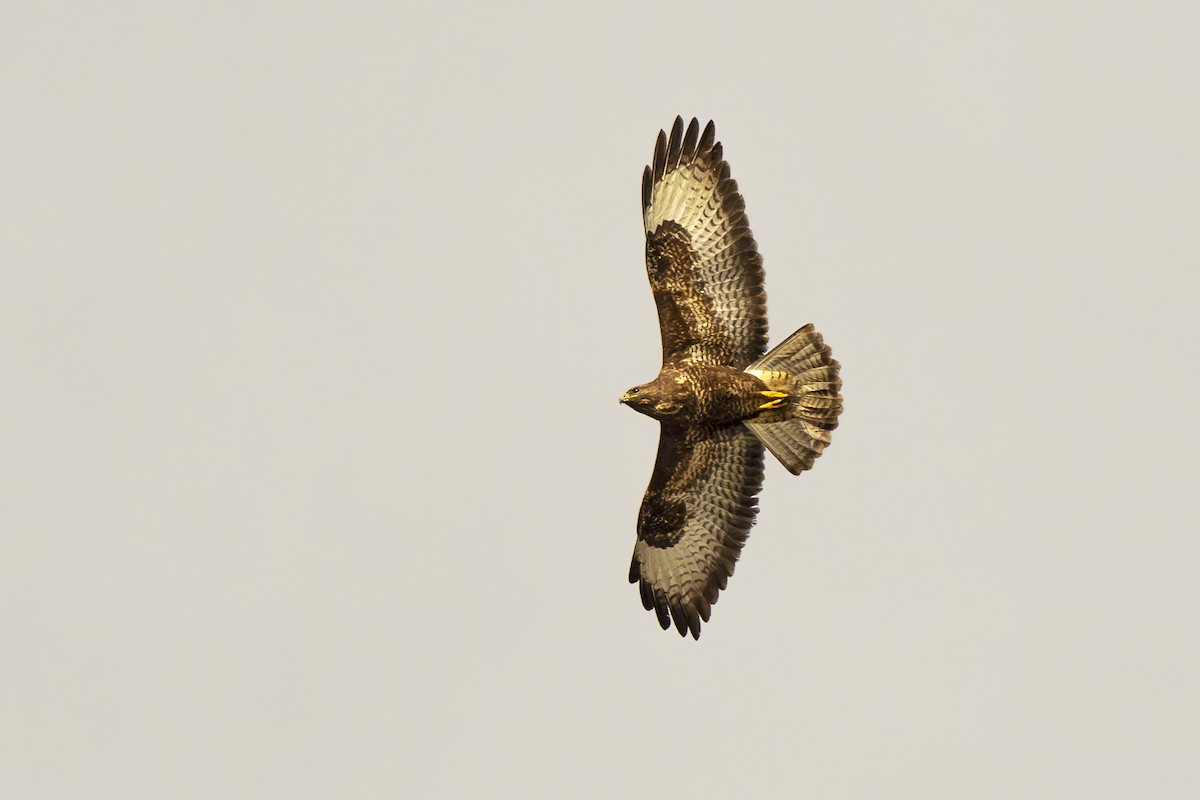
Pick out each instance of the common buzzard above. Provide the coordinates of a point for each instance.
(718, 398)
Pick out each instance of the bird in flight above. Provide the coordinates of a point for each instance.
(718, 399)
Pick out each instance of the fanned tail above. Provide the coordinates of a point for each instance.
(802, 366)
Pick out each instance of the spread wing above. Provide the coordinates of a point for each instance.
(695, 517)
(704, 267)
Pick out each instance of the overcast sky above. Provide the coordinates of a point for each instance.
(313, 480)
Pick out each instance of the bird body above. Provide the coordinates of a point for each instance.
(718, 398)
(703, 395)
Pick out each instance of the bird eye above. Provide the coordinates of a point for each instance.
(634, 390)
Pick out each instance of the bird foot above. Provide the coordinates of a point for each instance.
(776, 399)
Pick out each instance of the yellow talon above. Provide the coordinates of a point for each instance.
(777, 395)
(772, 403)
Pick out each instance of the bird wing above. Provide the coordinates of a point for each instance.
(694, 519)
(704, 266)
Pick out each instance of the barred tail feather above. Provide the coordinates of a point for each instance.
(803, 367)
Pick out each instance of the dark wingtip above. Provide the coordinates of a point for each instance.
(689, 139)
(680, 618)
(664, 619)
(646, 595)
(672, 149)
(660, 155)
(708, 138)
(675, 146)
(694, 622)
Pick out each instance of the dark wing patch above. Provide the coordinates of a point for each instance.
(703, 263)
(694, 520)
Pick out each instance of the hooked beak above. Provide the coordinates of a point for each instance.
(624, 398)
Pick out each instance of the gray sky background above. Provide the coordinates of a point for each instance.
(314, 482)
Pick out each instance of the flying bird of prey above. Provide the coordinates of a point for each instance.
(718, 398)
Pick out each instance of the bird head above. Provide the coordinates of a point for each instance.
(639, 396)
(656, 399)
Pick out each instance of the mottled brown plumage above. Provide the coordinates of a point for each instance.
(718, 398)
